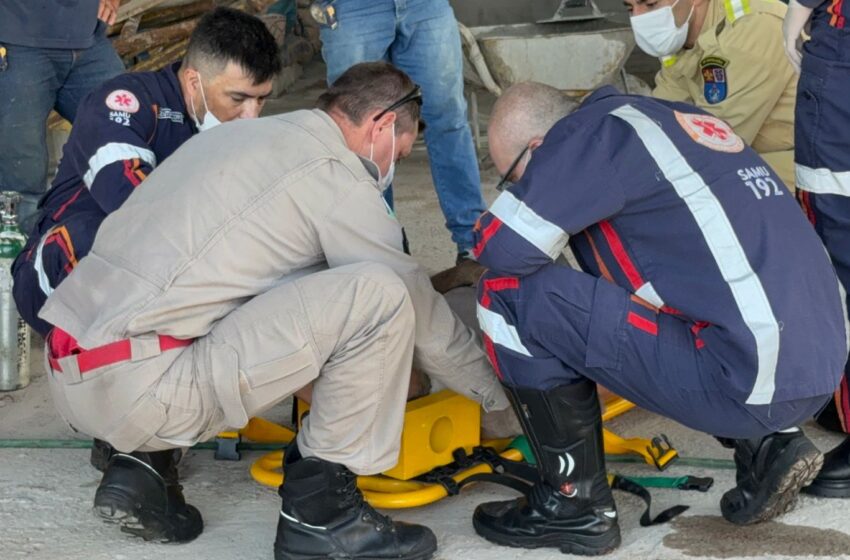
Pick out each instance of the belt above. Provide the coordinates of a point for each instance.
(112, 353)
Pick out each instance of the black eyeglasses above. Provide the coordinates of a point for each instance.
(414, 95)
(505, 181)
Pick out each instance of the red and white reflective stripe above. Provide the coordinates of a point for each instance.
(486, 234)
(620, 254)
(642, 323)
(38, 264)
(112, 152)
(721, 239)
(544, 235)
(842, 403)
(500, 331)
(822, 180)
(496, 330)
(642, 289)
(842, 293)
(647, 292)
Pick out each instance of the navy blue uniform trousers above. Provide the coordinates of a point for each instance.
(559, 325)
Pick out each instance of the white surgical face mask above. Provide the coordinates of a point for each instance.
(210, 120)
(656, 33)
(384, 181)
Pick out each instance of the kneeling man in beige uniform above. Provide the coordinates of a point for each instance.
(259, 258)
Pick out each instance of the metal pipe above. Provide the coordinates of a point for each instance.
(477, 59)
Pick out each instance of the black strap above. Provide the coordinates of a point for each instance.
(626, 485)
(522, 477)
(516, 469)
(521, 486)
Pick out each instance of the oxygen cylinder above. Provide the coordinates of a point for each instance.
(14, 332)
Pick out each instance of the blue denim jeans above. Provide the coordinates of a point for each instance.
(421, 38)
(36, 81)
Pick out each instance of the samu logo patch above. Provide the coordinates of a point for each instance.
(711, 132)
(715, 85)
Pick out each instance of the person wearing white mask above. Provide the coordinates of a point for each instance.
(728, 58)
(277, 265)
(124, 129)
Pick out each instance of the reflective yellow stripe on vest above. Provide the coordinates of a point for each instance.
(736, 8)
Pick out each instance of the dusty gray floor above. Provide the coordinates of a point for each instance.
(45, 495)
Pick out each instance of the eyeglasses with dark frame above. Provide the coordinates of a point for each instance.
(505, 181)
(414, 95)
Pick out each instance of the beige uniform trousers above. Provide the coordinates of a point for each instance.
(349, 330)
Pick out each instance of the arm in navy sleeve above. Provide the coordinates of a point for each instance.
(570, 184)
(111, 148)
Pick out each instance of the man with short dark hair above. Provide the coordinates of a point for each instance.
(699, 277)
(237, 277)
(128, 126)
(125, 129)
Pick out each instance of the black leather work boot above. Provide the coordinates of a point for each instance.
(572, 508)
(325, 516)
(101, 453)
(140, 493)
(770, 472)
(833, 481)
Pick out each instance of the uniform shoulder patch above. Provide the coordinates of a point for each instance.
(122, 100)
(715, 86)
(711, 132)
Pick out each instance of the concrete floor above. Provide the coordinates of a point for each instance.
(46, 495)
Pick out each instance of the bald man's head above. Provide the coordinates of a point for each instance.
(521, 118)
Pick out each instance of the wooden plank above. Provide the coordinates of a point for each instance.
(136, 7)
(131, 27)
(146, 40)
(168, 55)
(171, 14)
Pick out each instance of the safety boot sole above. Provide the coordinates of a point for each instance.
(281, 555)
(787, 476)
(828, 488)
(314, 543)
(119, 508)
(582, 545)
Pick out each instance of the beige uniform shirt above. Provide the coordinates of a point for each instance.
(236, 211)
(737, 70)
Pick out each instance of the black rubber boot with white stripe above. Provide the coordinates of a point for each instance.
(770, 472)
(572, 508)
(325, 516)
(140, 493)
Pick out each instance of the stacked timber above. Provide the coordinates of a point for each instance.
(151, 34)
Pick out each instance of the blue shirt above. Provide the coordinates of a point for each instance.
(668, 202)
(123, 130)
(52, 24)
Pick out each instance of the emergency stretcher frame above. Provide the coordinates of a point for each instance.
(435, 425)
